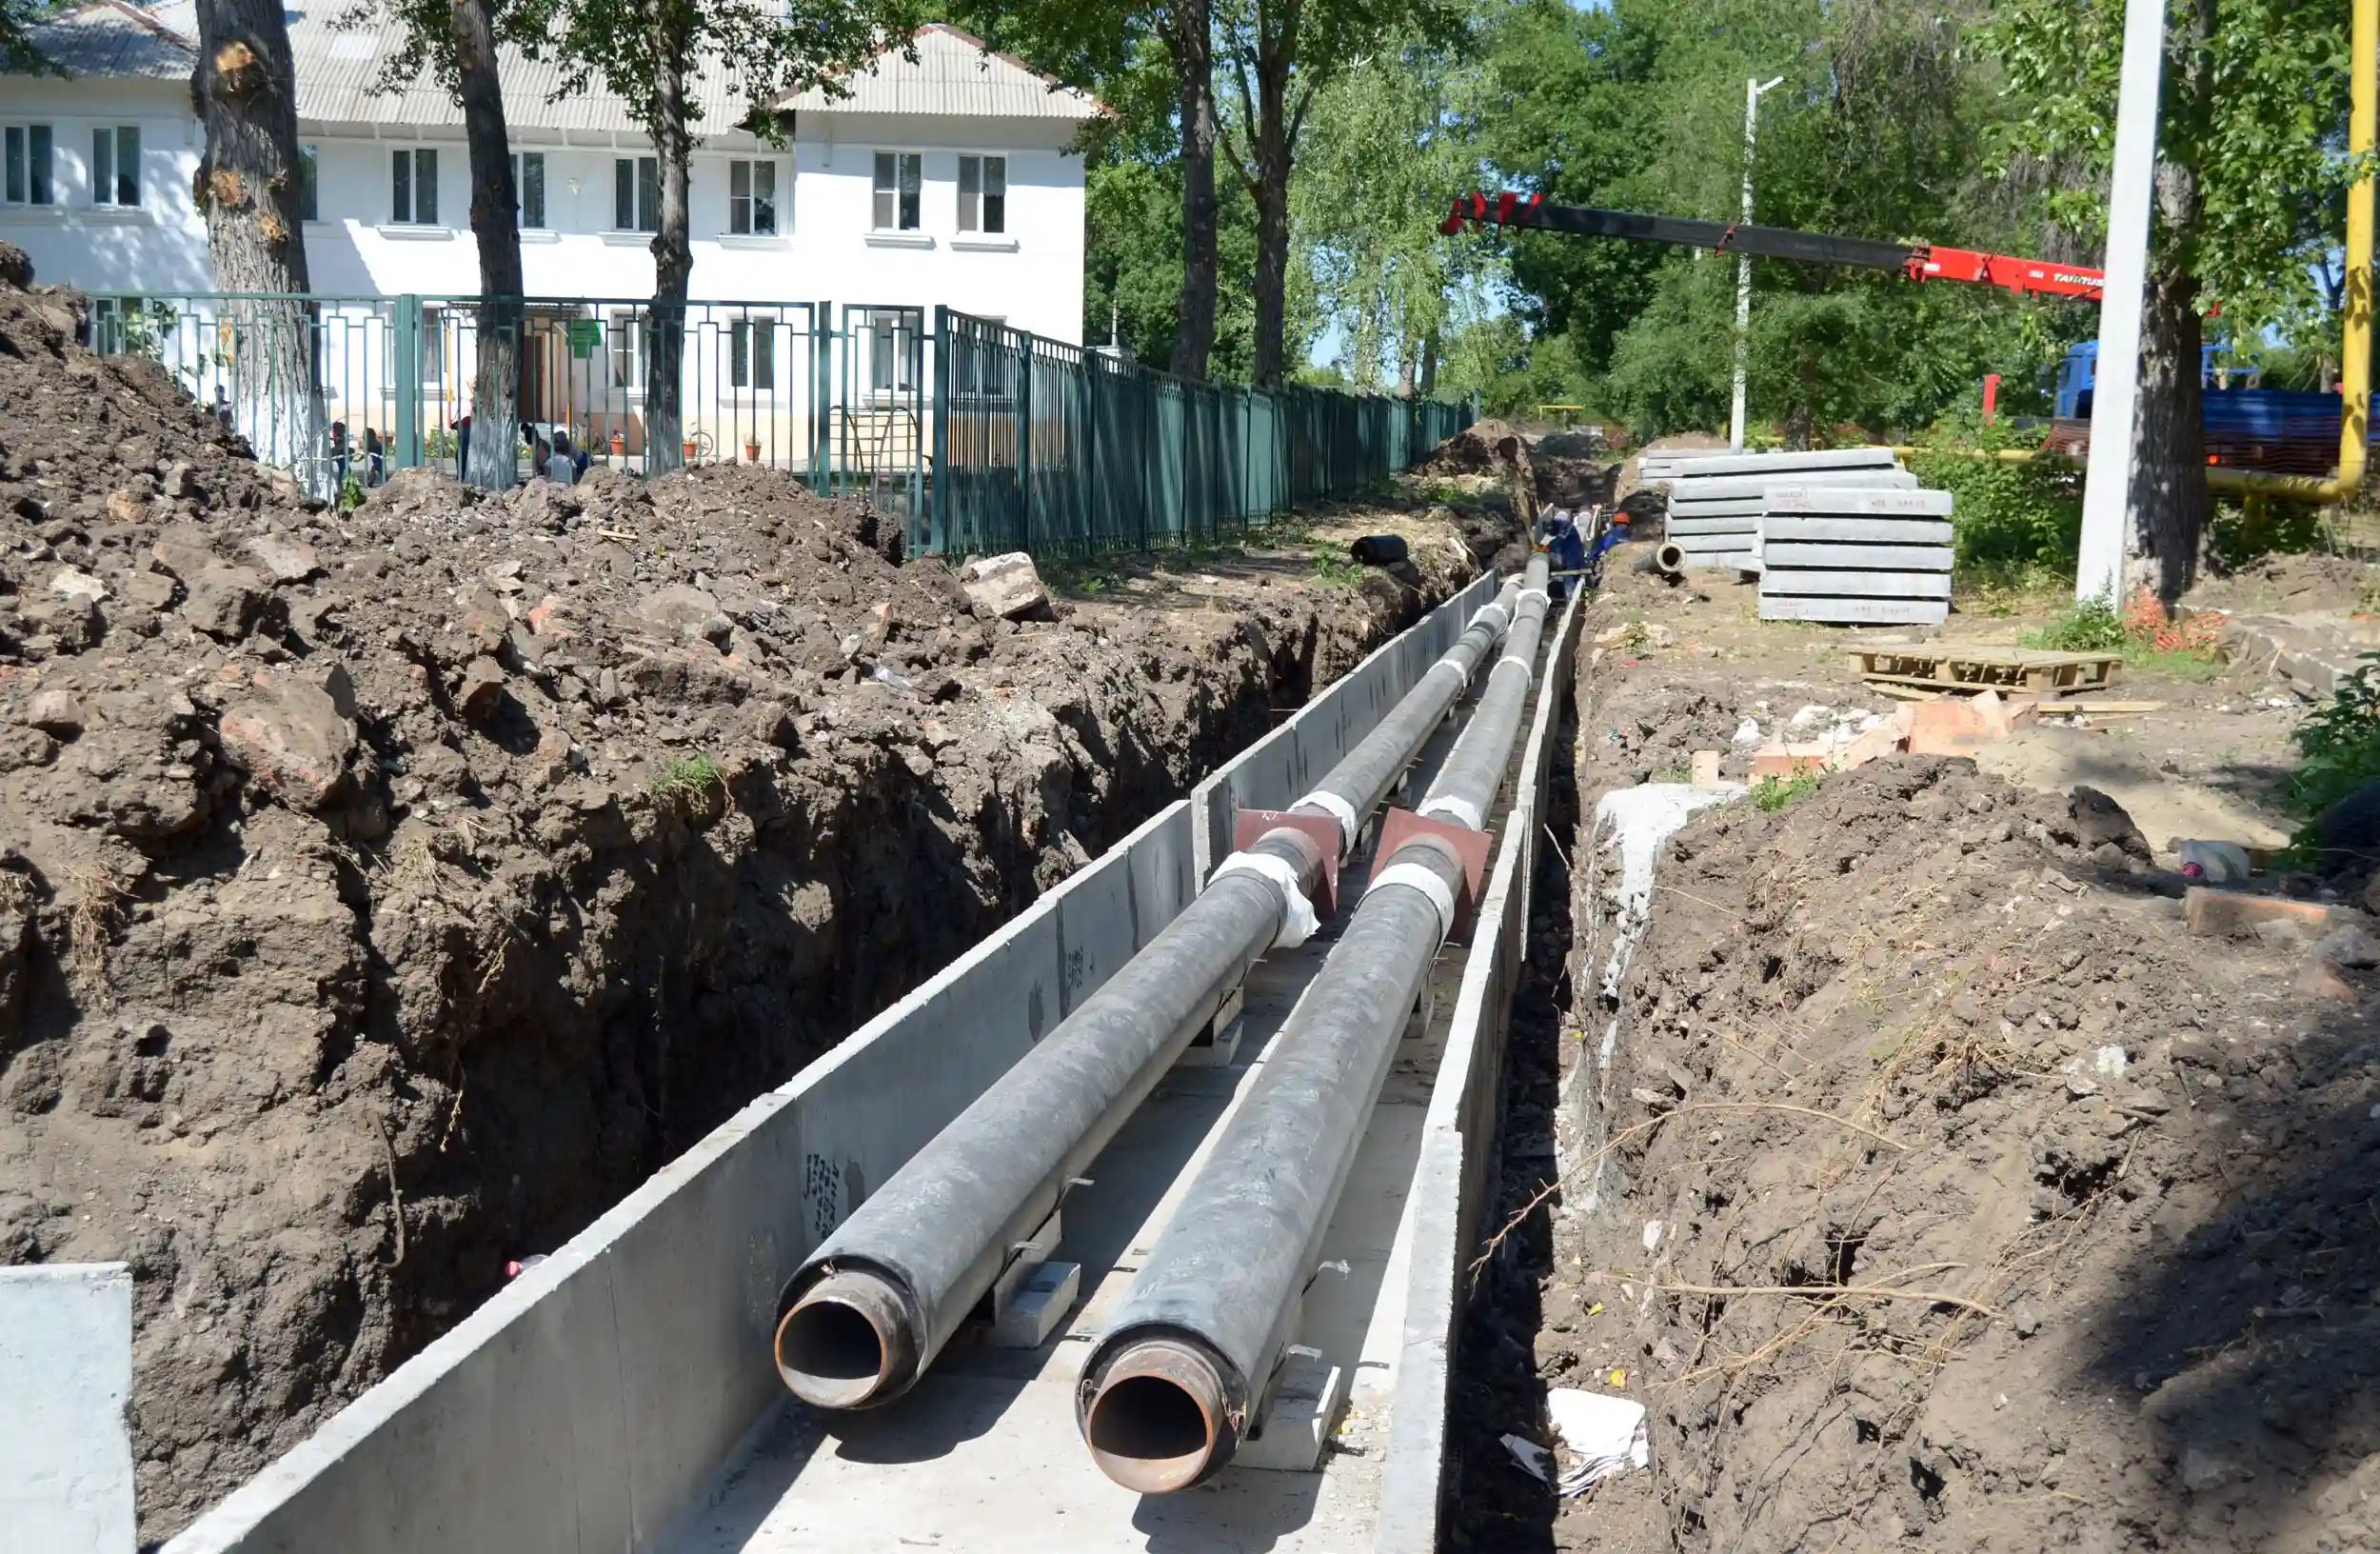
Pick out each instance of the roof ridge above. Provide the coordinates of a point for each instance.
(1004, 56)
(138, 16)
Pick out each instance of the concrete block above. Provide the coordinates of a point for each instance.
(1215, 1046)
(1298, 1416)
(1841, 557)
(1781, 580)
(66, 1372)
(1670, 466)
(1785, 526)
(1841, 612)
(1851, 502)
(1683, 506)
(2209, 910)
(1725, 487)
(1040, 1304)
(1680, 527)
(1706, 768)
(1006, 585)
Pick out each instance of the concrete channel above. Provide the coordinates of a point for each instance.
(622, 1396)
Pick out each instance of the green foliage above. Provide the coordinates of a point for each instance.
(2260, 525)
(1333, 567)
(688, 776)
(2018, 524)
(438, 443)
(17, 54)
(2338, 743)
(1772, 794)
(2090, 626)
(2255, 113)
(352, 493)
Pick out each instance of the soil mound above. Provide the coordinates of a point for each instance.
(1952, 1191)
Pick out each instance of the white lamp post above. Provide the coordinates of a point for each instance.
(1754, 89)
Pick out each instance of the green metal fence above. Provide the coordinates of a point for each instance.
(981, 437)
(1047, 447)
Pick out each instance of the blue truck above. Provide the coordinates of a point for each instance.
(2278, 431)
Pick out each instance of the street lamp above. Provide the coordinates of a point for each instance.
(1753, 90)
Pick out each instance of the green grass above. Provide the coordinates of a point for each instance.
(1335, 568)
(1774, 793)
(2095, 626)
(690, 775)
(1673, 775)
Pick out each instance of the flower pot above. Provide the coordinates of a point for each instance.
(619, 444)
(751, 452)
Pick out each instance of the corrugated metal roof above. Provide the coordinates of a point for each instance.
(110, 38)
(339, 69)
(955, 75)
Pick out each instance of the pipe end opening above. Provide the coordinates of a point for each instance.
(832, 1348)
(1153, 1433)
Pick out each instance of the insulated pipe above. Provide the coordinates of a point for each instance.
(1474, 769)
(1363, 777)
(1170, 1390)
(1669, 559)
(868, 1312)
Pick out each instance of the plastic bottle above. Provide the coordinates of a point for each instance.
(2217, 862)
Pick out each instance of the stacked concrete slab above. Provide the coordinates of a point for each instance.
(1715, 499)
(1854, 555)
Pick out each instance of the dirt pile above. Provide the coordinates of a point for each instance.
(384, 893)
(1951, 1194)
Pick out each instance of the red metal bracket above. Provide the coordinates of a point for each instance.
(1248, 825)
(1469, 848)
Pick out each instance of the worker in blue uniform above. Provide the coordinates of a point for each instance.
(1565, 552)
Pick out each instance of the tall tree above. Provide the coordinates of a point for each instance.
(244, 95)
(1279, 55)
(656, 55)
(2250, 188)
(18, 55)
(1111, 49)
(457, 40)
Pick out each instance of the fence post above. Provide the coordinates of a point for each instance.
(406, 373)
(1024, 443)
(938, 480)
(822, 391)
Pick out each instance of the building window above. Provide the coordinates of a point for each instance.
(433, 336)
(636, 195)
(752, 198)
(27, 180)
(628, 339)
(899, 178)
(982, 193)
(752, 354)
(309, 184)
(528, 189)
(115, 167)
(414, 197)
(894, 348)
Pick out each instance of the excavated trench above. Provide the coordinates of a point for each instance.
(385, 894)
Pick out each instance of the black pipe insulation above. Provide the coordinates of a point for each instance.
(1173, 1384)
(865, 1315)
(1363, 777)
(1474, 769)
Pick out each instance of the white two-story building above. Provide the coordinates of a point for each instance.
(950, 179)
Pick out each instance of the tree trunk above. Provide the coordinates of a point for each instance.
(244, 95)
(496, 225)
(1273, 153)
(1408, 365)
(673, 270)
(1191, 44)
(2170, 503)
(1429, 364)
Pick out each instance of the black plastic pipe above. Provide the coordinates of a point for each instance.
(865, 1314)
(1169, 1392)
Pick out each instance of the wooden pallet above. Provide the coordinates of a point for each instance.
(2028, 670)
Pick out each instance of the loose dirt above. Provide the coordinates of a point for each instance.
(384, 893)
(1941, 1190)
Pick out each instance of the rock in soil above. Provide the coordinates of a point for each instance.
(384, 893)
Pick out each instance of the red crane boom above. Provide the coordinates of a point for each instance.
(1919, 261)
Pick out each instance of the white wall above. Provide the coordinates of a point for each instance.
(1031, 276)
(159, 247)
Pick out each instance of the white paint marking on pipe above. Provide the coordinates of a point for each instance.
(1339, 810)
(1455, 811)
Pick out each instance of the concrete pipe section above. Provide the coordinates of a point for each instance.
(1175, 1382)
(860, 1320)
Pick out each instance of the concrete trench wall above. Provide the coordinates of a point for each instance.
(1459, 1161)
(591, 1401)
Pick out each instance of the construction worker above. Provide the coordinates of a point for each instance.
(1565, 552)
